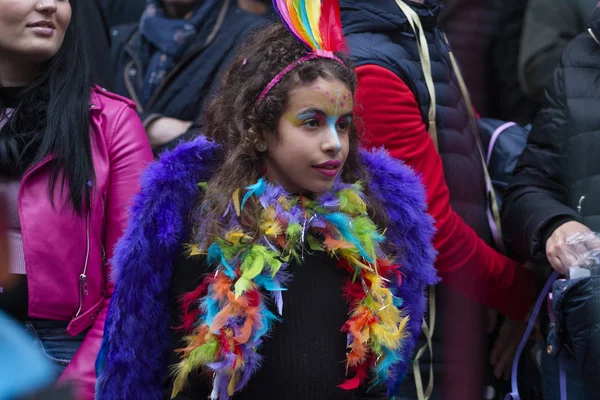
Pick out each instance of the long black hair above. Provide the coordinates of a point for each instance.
(52, 118)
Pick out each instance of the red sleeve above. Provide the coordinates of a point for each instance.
(391, 118)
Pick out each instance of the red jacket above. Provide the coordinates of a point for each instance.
(65, 254)
(390, 117)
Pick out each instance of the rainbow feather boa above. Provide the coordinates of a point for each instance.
(228, 315)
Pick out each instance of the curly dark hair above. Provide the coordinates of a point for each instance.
(234, 120)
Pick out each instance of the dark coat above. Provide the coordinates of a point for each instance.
(119, 12)
(557, 178)
(576, 305)
(97, 43)
(185, 88)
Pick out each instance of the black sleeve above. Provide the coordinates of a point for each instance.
(188, 274)
(537, 196)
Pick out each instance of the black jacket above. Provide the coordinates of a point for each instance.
(557, 178)
(187, 85)
(119, 12)
(97, 44)
(576, 304)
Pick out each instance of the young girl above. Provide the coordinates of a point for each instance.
(70, 160)
(272, 259)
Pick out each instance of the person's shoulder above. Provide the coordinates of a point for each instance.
(582, 51)
(122, 33)
(103, 99)
(387, 171)
(196, 159)
(241, 22)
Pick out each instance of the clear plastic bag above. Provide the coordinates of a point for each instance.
(583, 255)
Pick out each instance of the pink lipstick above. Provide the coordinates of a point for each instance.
(329, 169)
(43, 28)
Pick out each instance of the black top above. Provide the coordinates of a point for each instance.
(557, 179)
(13, 300)
(10, 96)
(304, 357)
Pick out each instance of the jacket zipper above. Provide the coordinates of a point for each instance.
(83, 277)
(101, 239)
(580, 205)
(593, 35)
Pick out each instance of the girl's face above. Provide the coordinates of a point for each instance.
(32, 31)
(313, 138)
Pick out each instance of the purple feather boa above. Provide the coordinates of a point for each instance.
(137, 341)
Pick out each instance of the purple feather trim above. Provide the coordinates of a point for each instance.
(253, 363)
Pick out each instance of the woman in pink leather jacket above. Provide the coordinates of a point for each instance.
(70, 160)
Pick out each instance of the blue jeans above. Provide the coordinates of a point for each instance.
(56, 344)
(550, 379)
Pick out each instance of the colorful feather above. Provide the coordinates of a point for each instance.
(187, 300)
(233, 316)
(330, 26)
(315, 23)
(254, 190)
(313, 12)
(181, 372)
(235, 198)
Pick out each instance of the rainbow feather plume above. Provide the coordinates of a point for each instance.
(315, 23)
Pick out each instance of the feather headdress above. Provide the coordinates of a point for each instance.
(317, 25)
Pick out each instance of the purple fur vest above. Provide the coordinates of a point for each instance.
(132, 362)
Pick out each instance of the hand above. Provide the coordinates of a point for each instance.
(561, 254)
(165, 129)
(502, 354)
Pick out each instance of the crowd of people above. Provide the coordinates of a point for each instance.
(299, 199)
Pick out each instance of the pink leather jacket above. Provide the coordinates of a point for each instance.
(66, 254)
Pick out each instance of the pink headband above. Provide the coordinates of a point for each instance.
(286, 70)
